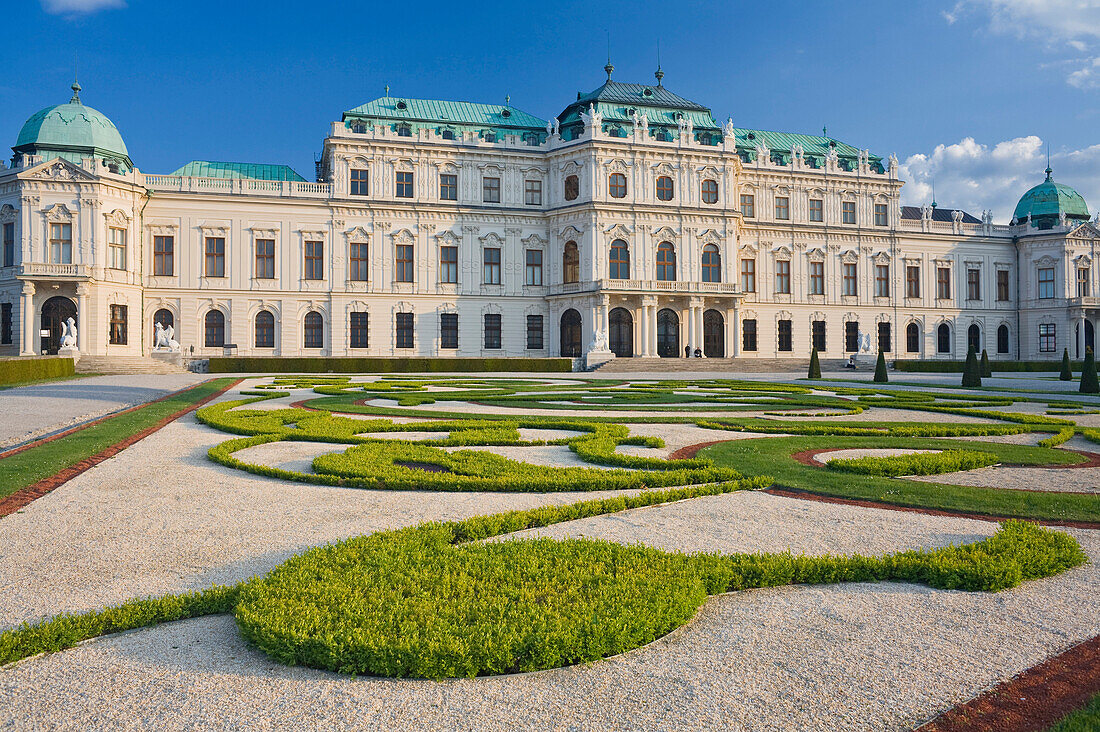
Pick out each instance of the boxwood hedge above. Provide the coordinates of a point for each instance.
(34, 368)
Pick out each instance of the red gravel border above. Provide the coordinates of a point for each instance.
(24, 496)
(1031, 701)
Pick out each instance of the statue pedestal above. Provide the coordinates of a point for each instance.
(73, 353)
(594, 358)
(173, 357)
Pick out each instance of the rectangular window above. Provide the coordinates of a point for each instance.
(116, 248)
(1048, 342)
(404, 185)
(358, 265)
(448, 330)
(848, 212)
(490, 190)
(1002, 285)
(118, 325)
(532, 192)
(1082, 282)
(943, 283)
(851, 288)
(404, 326)
(492, 330)
(5, 323)
(9, 244)
(164, 256)
(491, 266)
(403, 261)
(884, 341)
(882, 280)
(817, 335)
(973, 284)
(534, 333)
(359, 329)
(215, 257)
(315, 252)
(784, 336)
(817, 209)
(912, 280)
(748, 205)
(265, 259)
(851, 336)
(783, 276)
(817, 278)
(448, 265)
(359, 183)
(1046, 283)
(533, 271)
(61, 243)
(748, 335)
(782, 208)
(748, 275)
(881, 218)
(448, 187)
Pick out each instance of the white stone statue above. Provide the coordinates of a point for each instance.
(163, 338)
(557, 129)
(599, 342)
(893, 164)
(727, 131)
(68, 334)
(173, 344)
(864, 342)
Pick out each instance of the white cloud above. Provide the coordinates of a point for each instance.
(974, 177)
(79, 7)
(1086, 77)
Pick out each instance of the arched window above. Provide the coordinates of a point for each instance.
(214, 329)
(265, 329)
(666, 262)
(572, 187)
(570, 333)
(1002, 339)
(616, 185)
(943, 338)
(712, 264)
(974, 338)
(620, 260)
(664, 188)
(710, 191)
(571, 263)
(912, 338)
(314, 330)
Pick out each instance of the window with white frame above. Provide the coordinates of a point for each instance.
(116, 248)
(849, 279)
(1048, 341)
(783, 276)
(1046, 283)
(360, 182)
(61, 243)
(848, 212)
(448, 265)
(532, 192)
(882, 280)
(533, 268)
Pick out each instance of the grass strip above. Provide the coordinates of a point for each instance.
(1086, 719)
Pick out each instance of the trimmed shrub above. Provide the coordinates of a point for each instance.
(925, 463)
(1089, 383)
(1067, 373)
(34, 368)
(1057, 439)
(881, 377)
(972, 375)
(245, 364)
(985, 368)
(815, 366)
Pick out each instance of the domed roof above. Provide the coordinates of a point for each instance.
(1049, 200)
(71, 128)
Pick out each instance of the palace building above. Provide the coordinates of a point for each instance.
(632, 224)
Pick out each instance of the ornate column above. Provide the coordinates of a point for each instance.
(698, 325)
(689, 336)
(605, 326)
(26, 305)
(84, 319)
(733, 339)
(646, 316)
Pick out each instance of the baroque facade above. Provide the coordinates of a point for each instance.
(632, 223)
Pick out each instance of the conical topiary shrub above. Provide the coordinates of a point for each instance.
(1089, 383)
(1067, 372)
(881, 377)
(972, 375)
(986, 369)
(815, 366)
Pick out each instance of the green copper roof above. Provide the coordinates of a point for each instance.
(1047, 201)
(72, 131)
(252, 171)
(815, 147)
(616, 102)
(436, 112)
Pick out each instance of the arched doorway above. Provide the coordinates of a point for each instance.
(1090, 337)
(668, 334)
(714, 334)
(56, 311)
(571, 333)
(974, 338)
(165, 318)
(622, 332)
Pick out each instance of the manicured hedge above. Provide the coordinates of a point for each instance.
(219, 365)
(947, 461)
(957, 367)
(34, 368)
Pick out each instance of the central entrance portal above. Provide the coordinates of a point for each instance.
(55, 311)
(668, 334)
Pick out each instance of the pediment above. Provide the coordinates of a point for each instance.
(534, 240)
(665, 232)
(59, 169)
(618, 231)
(1087, 230)
(447, 237)
(492, 239)
(782, 252)
(357, 233)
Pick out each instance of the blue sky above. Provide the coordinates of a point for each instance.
(969, 93)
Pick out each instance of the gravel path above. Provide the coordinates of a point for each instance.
(54, 406)
(862, 452)
(1078, 480)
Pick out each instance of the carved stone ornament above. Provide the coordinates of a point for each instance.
(448, 237)
(62, 170)
(357, 233)
(7, 213)
(59, 212)
(117, 218)
(492, 239)
(403, 236)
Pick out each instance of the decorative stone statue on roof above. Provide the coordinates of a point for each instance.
(892, 164)
(987, 218)
(797, 153)
(68, 334)
(957, 216)
(926, 212)
(832, 156)
(763, 154)
(689, 127)
(557, 129)
(549, 128)
(727, 130)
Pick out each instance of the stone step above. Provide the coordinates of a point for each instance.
(639, 364)
(126, 365)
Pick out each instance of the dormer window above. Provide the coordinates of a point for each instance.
(401, 105)
(490, 137)
(506, 113)
(663, 135)
(647, 92)
(531, 139)
(404, 131)
(448, 134)
(359, 128)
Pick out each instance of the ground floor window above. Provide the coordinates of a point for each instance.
(358, 326)
(943, 338)
(784, 335)
(404, 330)
(5, 323)
(851, 336)
(884, 339)
(817, 335)
(117, 333)
(748, 335)
(448, 330)
(1002, 339)
(214, 329)
(912, 338)
(314, 330)
(534, 333)
(492, 330)
(1048, 342)
(265, 329)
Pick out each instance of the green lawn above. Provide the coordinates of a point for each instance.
(30, 466)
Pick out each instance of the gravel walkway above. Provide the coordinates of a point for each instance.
(1078, 480)
(862, 452)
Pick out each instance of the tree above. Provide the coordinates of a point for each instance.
(881, 376)
(987, 370)
(1067, 372)
(972, 375)
(1089, 383)
(815, 366)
